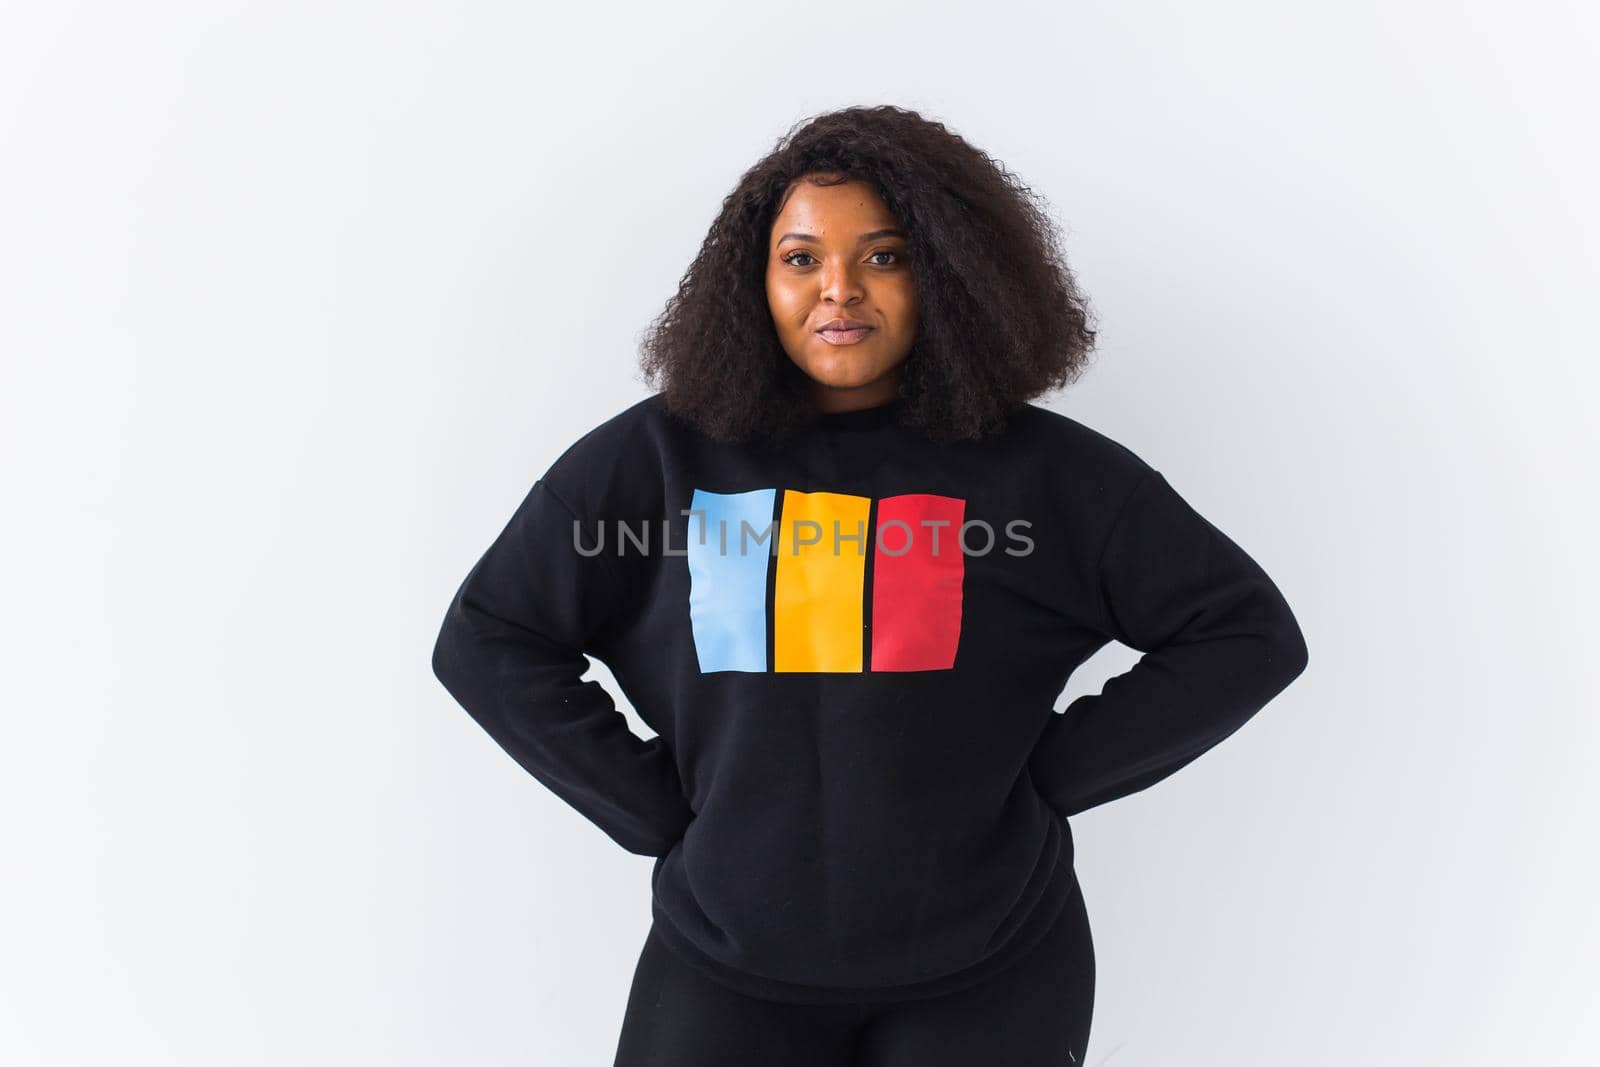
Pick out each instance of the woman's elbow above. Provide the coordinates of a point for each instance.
(1289, 655)
(449, 650)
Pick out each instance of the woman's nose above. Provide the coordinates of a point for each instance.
(839, 283)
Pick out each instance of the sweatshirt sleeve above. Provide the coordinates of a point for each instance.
(1219, 642)
(511, 652)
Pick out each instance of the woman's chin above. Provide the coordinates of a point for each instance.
(845, 372)
(842, 373)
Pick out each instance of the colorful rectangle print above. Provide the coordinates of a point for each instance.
(728, 578)
(917, 570)
(817, 622)
(820, 608)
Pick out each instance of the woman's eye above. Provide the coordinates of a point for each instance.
(793, 258)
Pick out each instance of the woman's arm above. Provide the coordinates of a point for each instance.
(1219, 643)
(511, 653)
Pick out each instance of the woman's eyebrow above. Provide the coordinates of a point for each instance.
(871, 235)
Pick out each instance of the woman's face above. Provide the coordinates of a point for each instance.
(835, 252)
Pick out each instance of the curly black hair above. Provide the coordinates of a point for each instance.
(1000, 317)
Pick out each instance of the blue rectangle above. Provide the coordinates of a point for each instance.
(728, 578)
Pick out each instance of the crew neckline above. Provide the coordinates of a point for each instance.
(862, 418)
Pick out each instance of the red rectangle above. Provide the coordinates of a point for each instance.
(916, 584)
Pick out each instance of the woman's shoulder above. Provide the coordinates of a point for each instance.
(1076, 448)
(612, 459)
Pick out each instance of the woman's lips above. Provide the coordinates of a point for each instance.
(844, 337)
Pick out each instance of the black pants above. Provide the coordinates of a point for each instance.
(1035, 1013)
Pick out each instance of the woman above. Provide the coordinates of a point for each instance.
(843, 567)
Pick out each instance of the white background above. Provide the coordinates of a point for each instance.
(297, 299)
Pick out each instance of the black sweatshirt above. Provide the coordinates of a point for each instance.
(849, 648)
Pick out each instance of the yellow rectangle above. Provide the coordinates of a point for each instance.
(817, 620)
